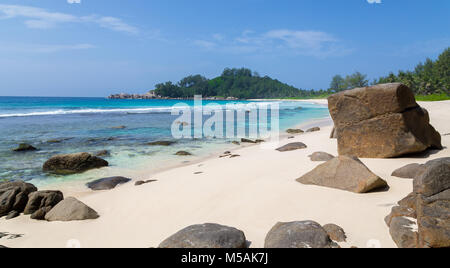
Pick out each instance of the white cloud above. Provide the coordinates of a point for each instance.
(39, 48)
(74, 1)
(374, 1)
(39, 18)
(308, 43)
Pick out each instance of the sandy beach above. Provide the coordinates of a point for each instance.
(251, 192)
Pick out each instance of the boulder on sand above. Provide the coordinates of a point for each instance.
(409, 171)
(292, 147)
(71, 209)
(107, 183)
(42, 199)
(429, 204)
(206, 236)
(321, 156)
(381, 121)
(345, 173)
(14, 196)
(295, 131)
(301, 234)
(314, 129)
(183, 153)
(73, 163)
(24, 147)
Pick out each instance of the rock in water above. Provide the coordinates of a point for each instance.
(24, 147)
(161, 143)
(381, 121)
(183, 153)
(14, 196)
(103, 153)
(42, 199)
(107, 183)
(409, 171)
(70, 209)
(303, 234)
(73, 163)
(292, 147)
(345, 173)
(206, 236)
(321, 156)
(335, 232)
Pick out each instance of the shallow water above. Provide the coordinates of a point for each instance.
(69, 125)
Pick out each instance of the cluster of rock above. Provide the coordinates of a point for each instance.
(305, 234)
(20, 197)
(126, 96)
(300, 131)
(422, 219)
(380, 122)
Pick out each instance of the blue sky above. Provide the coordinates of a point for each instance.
(97, 47)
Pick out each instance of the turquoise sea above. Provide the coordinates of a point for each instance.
(69, 125)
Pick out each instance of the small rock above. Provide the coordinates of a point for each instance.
(244, 140)
(119, 127)
(24, 147)
(292, 147)
(335, 232)
(236, 143)
(409, 171)
(344, 173)
(13, 214)
(183, 153)
(71, 209)
(321, 157)
(139, 183)
(302, 234)
(314, 129)
(207, 236)
(103, 153)
(295, 131)
(235, 155)
(161, 143)
(73, 163)
(107, 183)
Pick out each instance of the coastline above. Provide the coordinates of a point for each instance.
(252, 192)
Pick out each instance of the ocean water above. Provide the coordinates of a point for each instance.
(69, 125)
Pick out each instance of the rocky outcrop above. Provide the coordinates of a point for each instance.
(335, 232)
(73, 163)
(24, 147)
(71, 209)
(321, 157)
(42, 201)
(107, 183)
(422, 219)
(301, 234)
(345, 173)
(206, 236)
(380, 122)
(14, 196)
(292, 147)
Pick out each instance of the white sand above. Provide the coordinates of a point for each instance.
(252, 192)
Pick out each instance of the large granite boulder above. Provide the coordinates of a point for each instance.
(429, 206)
(344, 173)
(71, 209)
(292, 147)
(42, 200)
(73, 163)
(206, 236)
(107, 183)
(300, 234)
(14, 196)
(381, 121)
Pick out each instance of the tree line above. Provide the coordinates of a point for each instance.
(430, 77)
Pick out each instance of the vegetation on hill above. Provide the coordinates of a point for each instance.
(239, 83)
